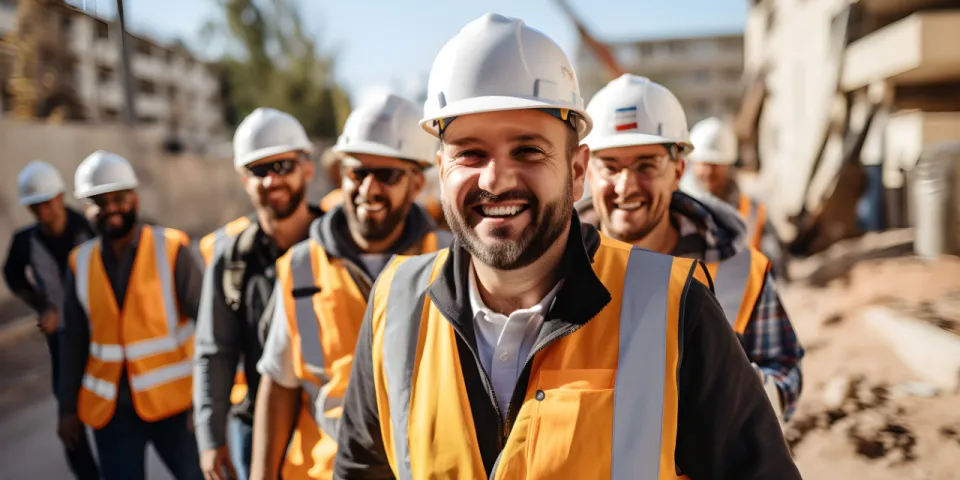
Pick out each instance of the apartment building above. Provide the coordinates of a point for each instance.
(172, 88)
(704, 72)
(842, 99)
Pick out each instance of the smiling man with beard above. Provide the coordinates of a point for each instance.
(127, 349)
(272, 157)
(323, 284)
(534, 347)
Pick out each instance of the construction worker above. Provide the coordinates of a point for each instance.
(323, 285)
(713, 158)
(215, 241)
(34, 270)
(637, 151)
(131, 295)
(534, 347)
(272, 157)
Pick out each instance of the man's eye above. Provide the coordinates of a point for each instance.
(469, 154)
(528, 151)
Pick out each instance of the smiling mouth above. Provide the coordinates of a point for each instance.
(373, 207)
(630, 206)
(500, 211)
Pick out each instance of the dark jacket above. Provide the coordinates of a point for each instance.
(44, 290)
(726, 428)
(226, 334)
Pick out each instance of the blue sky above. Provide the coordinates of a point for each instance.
(391, 44)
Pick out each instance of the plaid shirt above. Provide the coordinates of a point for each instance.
(769, 339)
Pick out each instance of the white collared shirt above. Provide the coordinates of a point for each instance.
(504, 342)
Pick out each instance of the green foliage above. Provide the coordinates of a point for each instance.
(273, 62)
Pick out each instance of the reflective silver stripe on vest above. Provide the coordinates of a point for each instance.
(444, 238)
(731, 283)
(308, 325)
(400, 333)
(752, 218)
(638, 392)
(219, 242)
(166, 280)
(82, 275)
(46, 272)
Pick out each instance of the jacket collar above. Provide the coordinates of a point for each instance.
(581, 297)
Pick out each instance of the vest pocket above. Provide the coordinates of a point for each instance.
(572, 425)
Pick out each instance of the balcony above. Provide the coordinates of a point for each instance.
(912, 51)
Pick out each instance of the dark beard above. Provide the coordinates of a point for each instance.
(374, 230)
(129, 220)
(296, 198)
(546, 226)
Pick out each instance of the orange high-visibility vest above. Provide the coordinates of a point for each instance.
(210, 245)
(148, 336)
(324, 323)
(331, 200)
(755, 213)
(738, 284)
(601, 402)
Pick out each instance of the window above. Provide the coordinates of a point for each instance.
(144, 48)
(104, 74)
(146, 86)
(103, 30)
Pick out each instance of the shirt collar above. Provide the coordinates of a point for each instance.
(478, 307)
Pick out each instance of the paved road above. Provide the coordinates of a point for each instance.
(29, 448)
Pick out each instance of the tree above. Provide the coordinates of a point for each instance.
(43, 64)
(272, 61)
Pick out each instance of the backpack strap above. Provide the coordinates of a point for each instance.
(235, 259)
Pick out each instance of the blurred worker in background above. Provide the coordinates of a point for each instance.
(272, 157)
(323, 285)
(637, 150)
(715, 153)
(127, 348)
(34, 271)
(534, 347)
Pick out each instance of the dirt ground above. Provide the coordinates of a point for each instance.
(863, 414)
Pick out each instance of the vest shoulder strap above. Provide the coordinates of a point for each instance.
(235, 259)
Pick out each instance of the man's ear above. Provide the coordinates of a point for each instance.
(578, 170)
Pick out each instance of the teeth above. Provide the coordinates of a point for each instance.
(629, 206)
(502, 211)
(376, 207)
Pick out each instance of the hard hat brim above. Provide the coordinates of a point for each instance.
(373, 148)
(498, 104)
(106, 188)
(260, 154)
(631, 139)
(711, 157)
(39, 198)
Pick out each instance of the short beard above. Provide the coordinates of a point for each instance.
(296, 198)
(547, 224)
(376, 231)
(129, 220)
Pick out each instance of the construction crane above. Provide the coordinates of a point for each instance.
(599, 49)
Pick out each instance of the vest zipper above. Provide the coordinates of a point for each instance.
(488, 384)
(526, 365)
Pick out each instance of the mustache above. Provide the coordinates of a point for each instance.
(376, 198)
(480, 195)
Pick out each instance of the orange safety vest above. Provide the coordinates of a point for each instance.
(323, 318)
(331, 200)
(601, 402)
(210, 245)
(148, 336)
(738, 283)
(755, 213)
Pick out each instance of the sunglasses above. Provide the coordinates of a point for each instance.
(280, 167)
(385, 175)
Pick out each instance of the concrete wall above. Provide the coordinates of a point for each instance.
(191, 193)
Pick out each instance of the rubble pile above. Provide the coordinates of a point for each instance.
(864, 414)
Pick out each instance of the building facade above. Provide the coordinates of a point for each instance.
(172, 88)
(842, 98)
(704, 72)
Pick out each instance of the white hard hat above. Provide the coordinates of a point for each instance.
(497, 63)
(267, 132)
(633, 110)
(388, 126)
(38, 182)
(715, 141)
(103, 172)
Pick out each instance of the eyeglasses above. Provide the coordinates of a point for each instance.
(647, 168)
(385, 175)
(280, 167)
